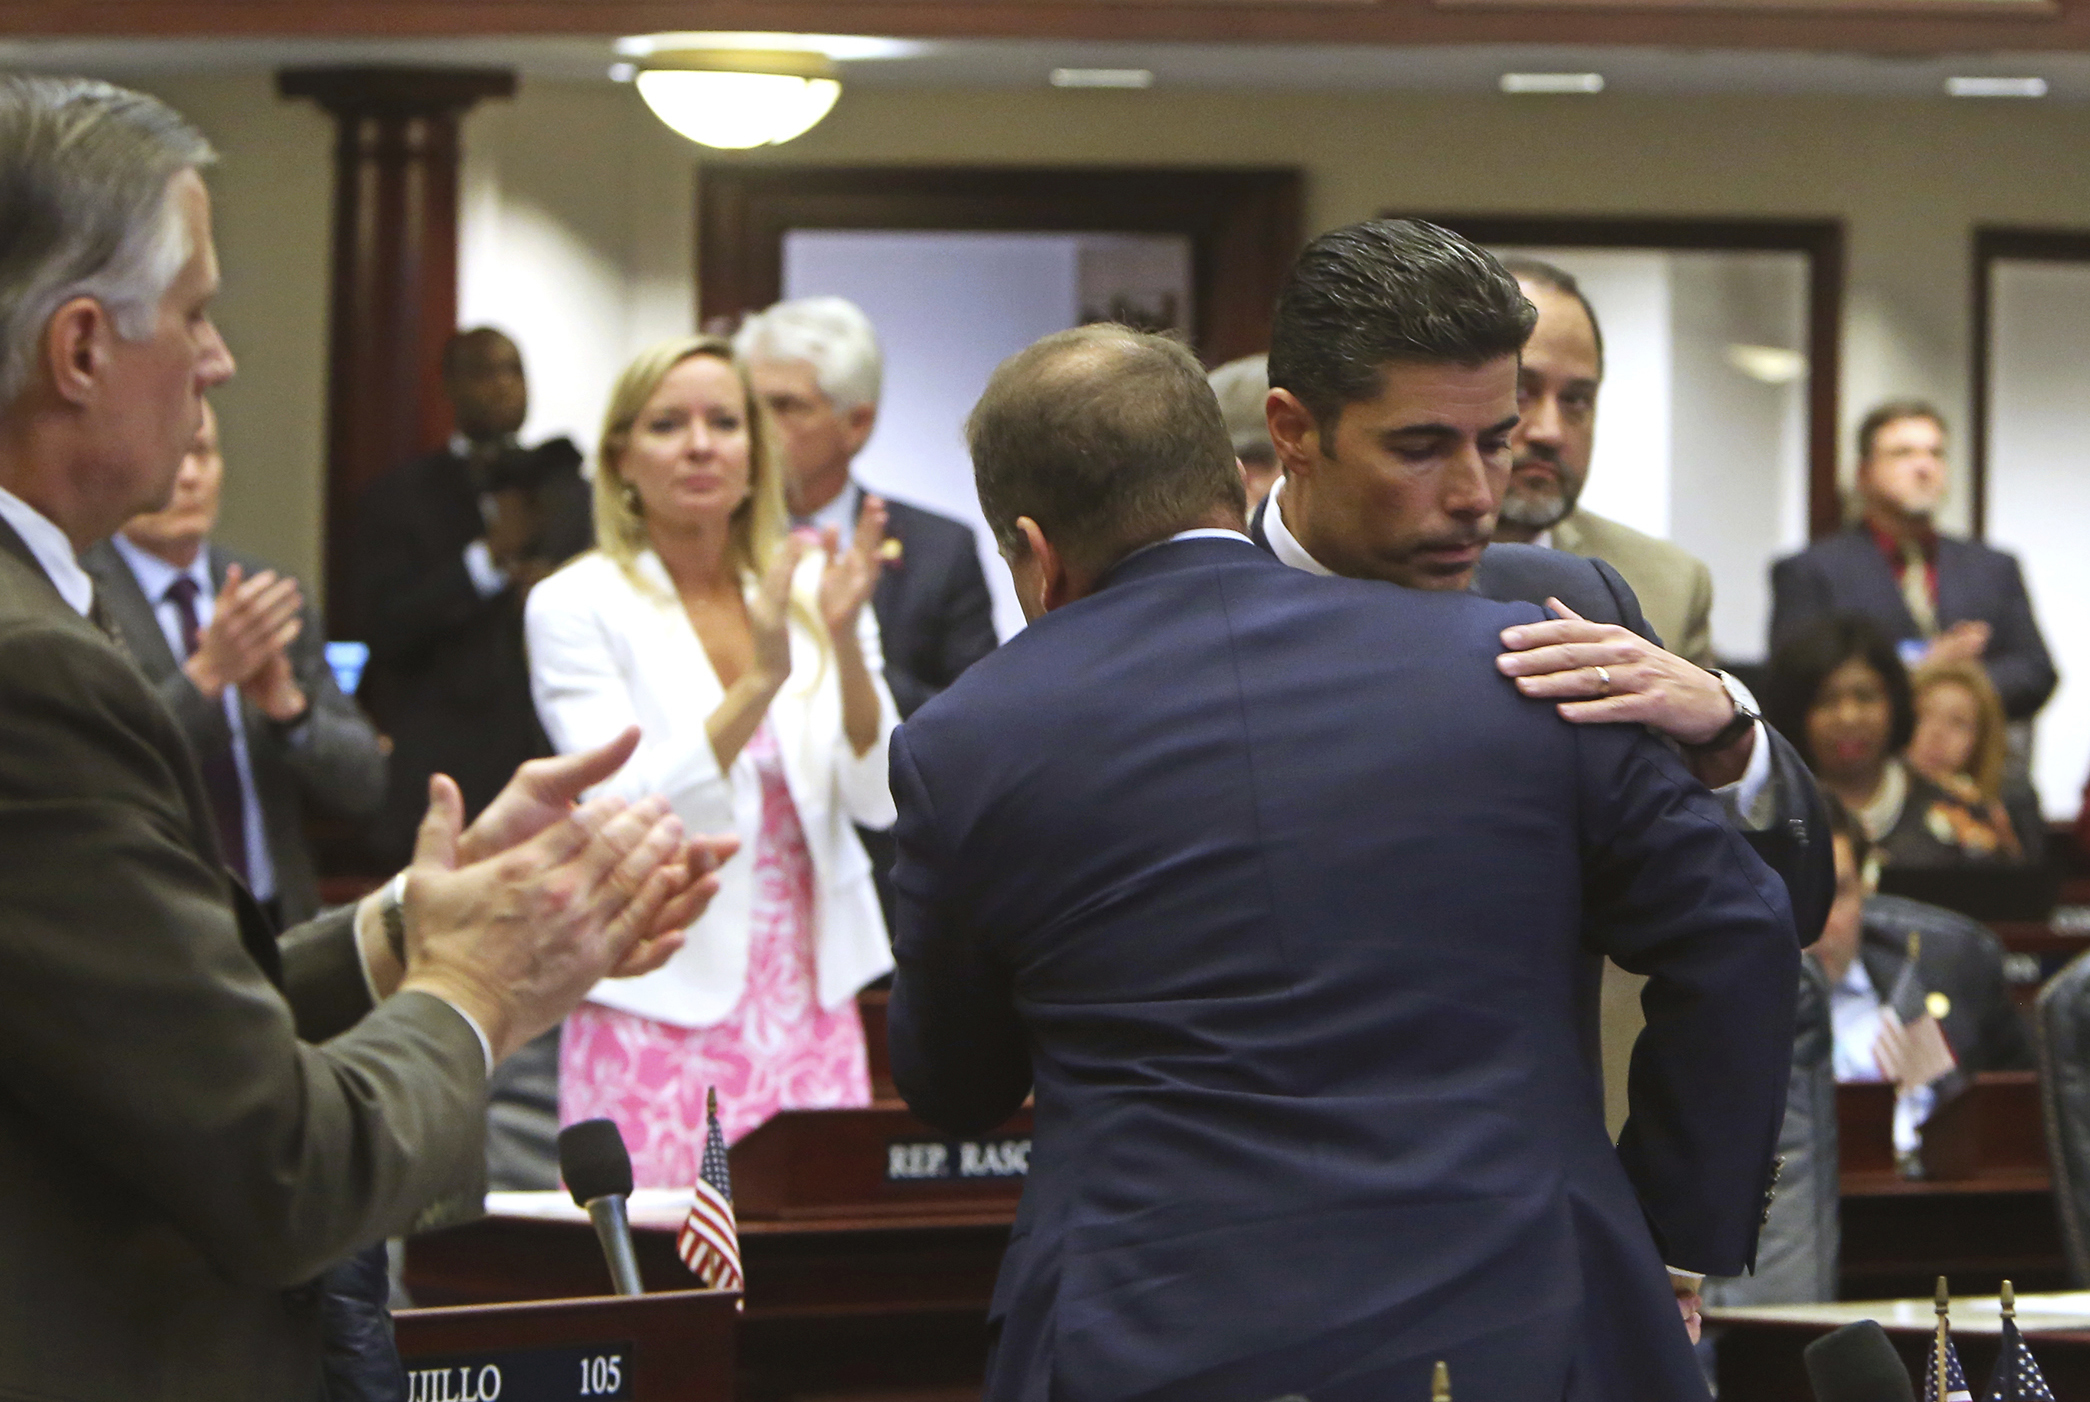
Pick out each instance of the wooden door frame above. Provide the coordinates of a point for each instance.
(1820, 240)
(1243, 225)
(1993, 244)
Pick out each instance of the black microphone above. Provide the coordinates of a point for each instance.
(1857, 1363)
(597, 1170)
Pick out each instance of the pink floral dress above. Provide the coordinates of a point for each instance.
(777, 1050)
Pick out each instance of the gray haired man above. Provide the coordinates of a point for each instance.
(197, 1120)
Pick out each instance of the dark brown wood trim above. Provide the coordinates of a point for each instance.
(1824, 25)
(1821, 240)
(1992, 245)
(394, 296)
(1244, 225)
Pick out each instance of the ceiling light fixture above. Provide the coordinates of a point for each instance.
(1103, 77)
(1996, 87)
(737, 98)
(1771, 365)
(1553, 82)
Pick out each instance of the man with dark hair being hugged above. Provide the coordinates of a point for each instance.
(1275, 890)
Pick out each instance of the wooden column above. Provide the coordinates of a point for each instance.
(394, 298)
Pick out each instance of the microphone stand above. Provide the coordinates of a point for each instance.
(613, 1230)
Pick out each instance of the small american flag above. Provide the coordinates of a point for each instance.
(1955, 1376)
(710, 1240)
(2016, 1378)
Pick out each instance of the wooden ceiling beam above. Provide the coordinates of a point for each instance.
(1863, 26)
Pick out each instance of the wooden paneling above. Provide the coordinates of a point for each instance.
(1992, 246)
(1847, 26)
(1244, 225)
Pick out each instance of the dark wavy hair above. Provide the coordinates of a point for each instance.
(1799, 669)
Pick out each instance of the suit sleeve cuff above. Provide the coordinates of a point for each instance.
(485, 1046)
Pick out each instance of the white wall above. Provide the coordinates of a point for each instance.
(949, 307)
(2039, 492)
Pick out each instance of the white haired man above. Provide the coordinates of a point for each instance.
(815, 362)
(198, 1121)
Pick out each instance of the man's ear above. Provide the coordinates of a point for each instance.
(1055, 587)
(75, 345)
(1294, 432)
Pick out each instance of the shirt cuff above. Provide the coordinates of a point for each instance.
(1745, 798)
(485, 1046)
(370, 983)
(487, 577)
(1694, 1279)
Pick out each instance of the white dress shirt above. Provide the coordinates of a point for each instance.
(840, 513)
(1743, 798)
(52, 550)
(608, 650)
(155, 577)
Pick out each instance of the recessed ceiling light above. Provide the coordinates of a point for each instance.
(1996, 87)
(1103, 77)
(1553, 82)
(843, 48)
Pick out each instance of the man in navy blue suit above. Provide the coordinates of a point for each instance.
(1940, 597)
(1396, 459)
(1276, 890)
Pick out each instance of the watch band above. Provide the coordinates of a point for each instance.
(1745, 716)
(391, 909)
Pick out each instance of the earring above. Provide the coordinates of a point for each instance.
(632, 502)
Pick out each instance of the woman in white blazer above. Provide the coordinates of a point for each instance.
(751, 666)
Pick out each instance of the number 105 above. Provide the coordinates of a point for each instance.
(602, 1377)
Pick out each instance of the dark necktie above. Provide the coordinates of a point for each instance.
(220, 771)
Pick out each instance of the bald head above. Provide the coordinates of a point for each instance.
(1109, 439)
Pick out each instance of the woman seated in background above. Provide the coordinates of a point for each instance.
(752, 668)
(1839, 692)
(1960, 745)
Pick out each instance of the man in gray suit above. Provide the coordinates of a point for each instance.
(1557, 384)
(240, 660)
(196, 1120)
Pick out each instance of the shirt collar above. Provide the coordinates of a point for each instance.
(1283, 543)
(1890, 544)
(155, 575)
(52, 551)
(840, 512)
(1194, 533)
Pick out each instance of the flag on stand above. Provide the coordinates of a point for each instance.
(2017, 1377)
(1912, 1051)
(1955, 1376)
(710, 1239)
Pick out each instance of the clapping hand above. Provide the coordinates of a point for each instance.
(769, 614)
(252, 622)
(851, 575)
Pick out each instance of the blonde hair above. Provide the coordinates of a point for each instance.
(759, 524)
(1991, 743)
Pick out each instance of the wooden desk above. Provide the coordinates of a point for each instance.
(658, 1348)
(1988, 1213)
(1759, 1349)
(859, 1279)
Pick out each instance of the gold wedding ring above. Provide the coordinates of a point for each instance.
(1604, 680)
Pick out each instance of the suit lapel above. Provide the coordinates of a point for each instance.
(1872, 580)
(131, 612)
(1952, 603)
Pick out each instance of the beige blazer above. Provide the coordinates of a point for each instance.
(605, 653)
(184, 1143)
(1675, 587)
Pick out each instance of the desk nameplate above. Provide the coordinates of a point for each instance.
(874, 1162)
(581, 1373)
